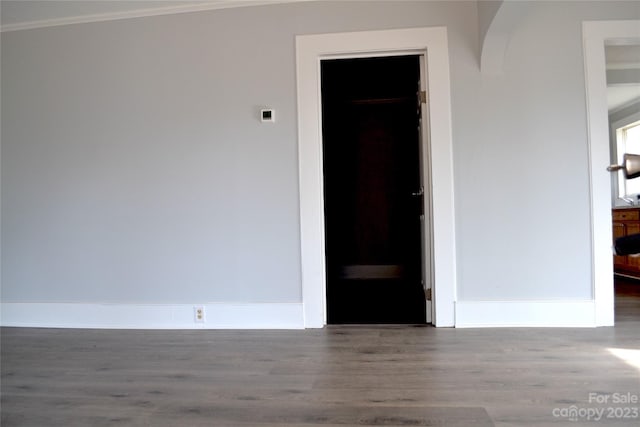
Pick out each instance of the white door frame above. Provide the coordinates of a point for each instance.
(595, 34)
(310, 50)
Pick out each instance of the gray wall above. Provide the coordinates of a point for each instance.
(487, 10)
(135, 169)
(522, 163)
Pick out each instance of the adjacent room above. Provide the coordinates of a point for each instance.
(314, 213)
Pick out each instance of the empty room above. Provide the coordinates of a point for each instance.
(320, 213)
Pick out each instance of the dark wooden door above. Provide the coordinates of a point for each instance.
(372, 187)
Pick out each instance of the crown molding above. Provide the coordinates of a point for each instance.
(141, 13)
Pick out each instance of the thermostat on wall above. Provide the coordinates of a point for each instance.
(267, 115)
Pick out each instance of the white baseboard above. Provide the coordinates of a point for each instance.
(152, 316)
(468, 314)
(490, 314)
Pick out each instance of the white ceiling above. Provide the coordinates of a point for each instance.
(623, 57)
(24, 14)
(620, 96)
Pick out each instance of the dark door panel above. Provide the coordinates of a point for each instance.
(371, 177)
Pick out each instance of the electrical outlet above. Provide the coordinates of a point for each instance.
(198, 314)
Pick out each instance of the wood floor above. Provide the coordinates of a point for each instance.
(341, 375)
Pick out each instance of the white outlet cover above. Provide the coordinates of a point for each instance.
(198, 314)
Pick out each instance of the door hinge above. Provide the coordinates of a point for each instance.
(423, 96)
(427, 293)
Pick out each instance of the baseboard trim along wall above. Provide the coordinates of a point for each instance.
(153, 316)
(468, 314)
(491, 314)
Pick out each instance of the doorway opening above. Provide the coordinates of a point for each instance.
(623, 104)
(431, 44)
(373, 190)
(596, 35)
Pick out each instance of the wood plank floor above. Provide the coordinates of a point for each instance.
(341, 376)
